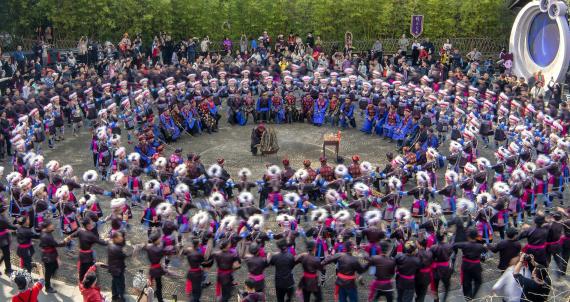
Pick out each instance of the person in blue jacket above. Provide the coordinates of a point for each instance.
(347, 114)
(321, 106)
(263, 108)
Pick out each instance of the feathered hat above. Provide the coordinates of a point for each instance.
(373, 216)
(228, 222)
(181, 189)
(200, 218)
(291, 199)
(340, 170)
(164, 209)
(216, 199)
(402, 214)
(484, 198)
(90, 176)
(394, 183)
(366, 167)
(118, 203)
(342, 216)
(319, 215)
(244, 173)
(256, 221)
(245, 198)
(214, 171)
(152, 185)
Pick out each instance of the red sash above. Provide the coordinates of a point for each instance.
(48, 250)
(309, 275)
(256, 278)
(25, 245)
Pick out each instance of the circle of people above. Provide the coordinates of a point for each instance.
(212, 217)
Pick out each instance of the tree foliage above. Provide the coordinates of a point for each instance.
(366, 19)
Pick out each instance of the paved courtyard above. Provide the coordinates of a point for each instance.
(297, 142)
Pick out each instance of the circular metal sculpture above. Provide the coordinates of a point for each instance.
(540, 40)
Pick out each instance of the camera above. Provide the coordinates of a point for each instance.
(527, 258)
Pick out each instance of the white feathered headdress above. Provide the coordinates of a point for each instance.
(52, 165)
(301, 174)
(38, 160)
(319, 215)
(164, 209)
(291, 199)
(434, 209)
(432, 153)
(340, 170)
(88, 199)
(228, 222)
(500, 188)
(451, 176)
(61, 192)
(342, 216)
(66, 170)
(117, 177)
(134, 156)
(394, 183)
(200, 218)
(373, 216)
(118, 203)
(160, 162)
(284, 218)
(90, 176)
(180, 170)
(361, 188)
(214, 171)
(466, 206)
(256, 221)
(455, 147)
(273, 171)
(518, 175)
(14, 177)
(152, 185)
(244, 173)
(422, 178)
(483, 163)
(181, 189)
(245, 198)
(402, 214)
(484, 198)
(216, 199)
(366, 167)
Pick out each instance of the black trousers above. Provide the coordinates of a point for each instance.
(421, 291)
(565, 256)
(282, 292)
(6, 258)
(446, 284)
(50, 269)
(471, 283)
(118, 287)
(307, 296)
(388, 294)
(26, 263)
(158, 290)
(196, 293)
(227, 291)
(83, 268)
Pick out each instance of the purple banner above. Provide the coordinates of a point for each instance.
(417, 26)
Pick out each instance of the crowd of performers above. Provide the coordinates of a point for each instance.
(355, 215)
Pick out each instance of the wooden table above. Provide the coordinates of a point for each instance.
(331, 139)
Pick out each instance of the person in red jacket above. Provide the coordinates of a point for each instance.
(89, 288)
(23, 278)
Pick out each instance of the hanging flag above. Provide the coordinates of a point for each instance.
(417, 25)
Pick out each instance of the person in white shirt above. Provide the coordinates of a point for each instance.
(507, 286)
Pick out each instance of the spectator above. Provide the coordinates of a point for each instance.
(537, 287)
(507, 286)
(310, 40)
(243, 44)
(20, 58)
(428, 46)
(377, 50)
(205, 46)
(22, 279)
(88, 286)
(403, 44)
(474, 55)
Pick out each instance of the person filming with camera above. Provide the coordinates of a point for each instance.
(537, 287)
